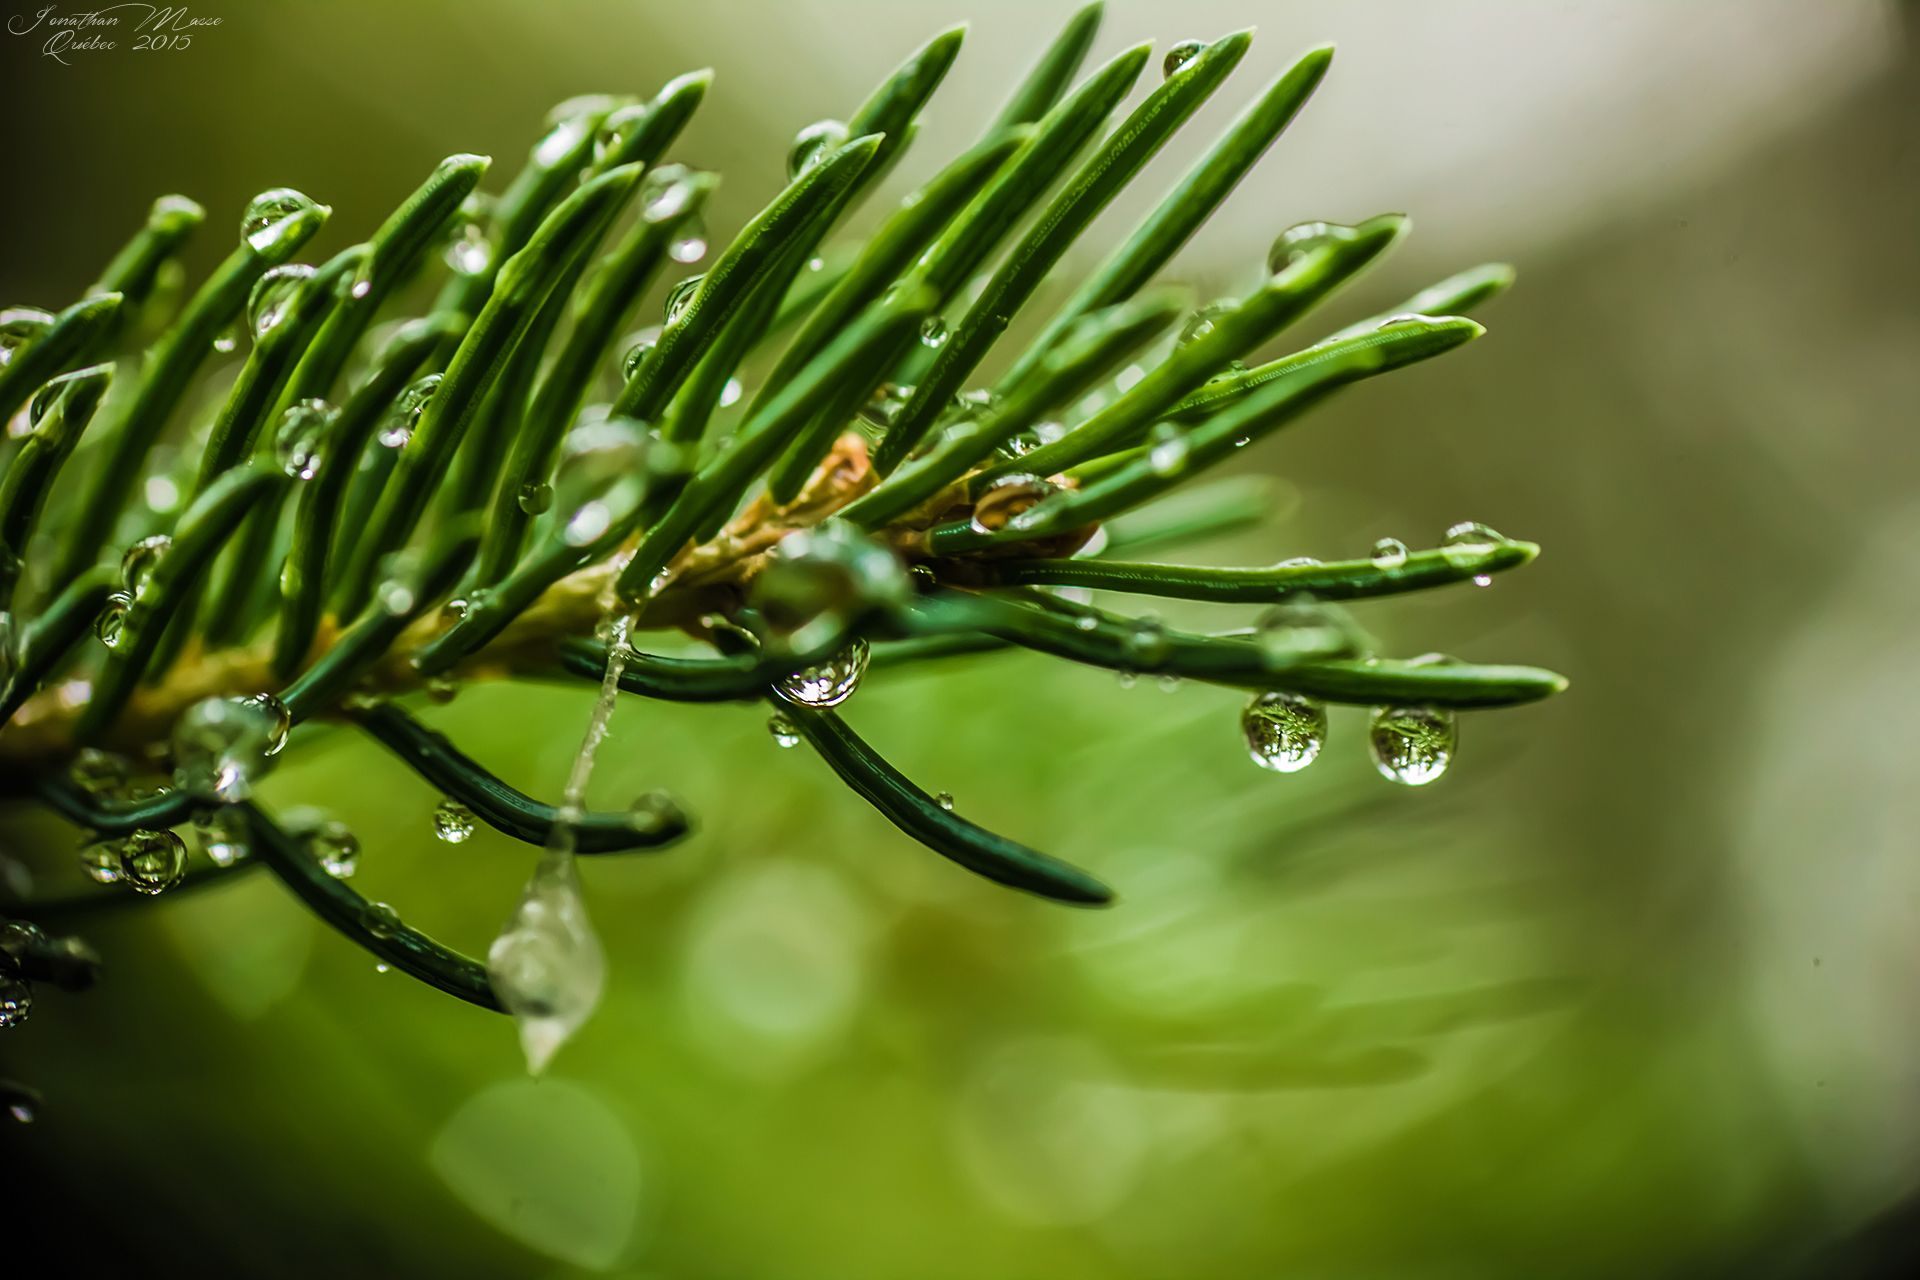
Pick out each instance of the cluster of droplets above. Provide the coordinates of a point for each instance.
(147, 861)
(1410, 745)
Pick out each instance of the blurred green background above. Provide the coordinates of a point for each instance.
(1631, 992)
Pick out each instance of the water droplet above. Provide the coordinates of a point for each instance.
(933, 332)
(223, 835)
(547, 965)
(137, 565)
(605, 470)
(1008, 502)
(397, 427)
(680, 295)
(272, 294)
(300, 437)
(1284, 731)
(20, 327)
(470, 252)
(651, 810)
(731, 392)
(260, 222)
(884, 405)
(1180, 55)
(1167, 450)
(1303, 238)
(152, 861)
(277, 716)
(17, 938)
(380, 920)
(638, 350)
(442, 689)
(1389, 553)
(1146, 644)
(535, 498)
(690, 245)
(1472, 538)
(1482, 579)
(1297, 562)
(453, 822)
(381, 966)
(1202, 322)
(1412, 745)
(16, 1005)
(829, 683)
(221, 747)
(615, 130)
(1405, 317)
(99, 773)
(780, 725)
(813, 143)
(112, 622)
(333, 845)
(100, 859)
(665, 192)
(568, 132)
(945, 800)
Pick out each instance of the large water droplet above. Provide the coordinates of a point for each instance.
(272, 294)
(260, 222)
(332, 844)
(221, 747)
(300, 437)
(1412, 745)
(1202, 322)
(604, 471)
(535, 497)
(690, 245)
(380, 920)
(820, 582)
(1146, 644)
(812, 144)
(452, 822)
(1180, 55)
(1284, 731)
(831, 682)
(1389, 553)
(137, 565)
(152, 861)
(933, 332)
(547, 965)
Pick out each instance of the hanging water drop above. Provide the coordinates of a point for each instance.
(1284, 731)
(812, 144)
(112, 622)
(152, 862)
(1146, 644)
(780, 726)
(100, 860)
(261, 221)
(1412, 745)
(332, 844)
(1389, 553)
(221, 747)
(223, 835)
(137, 565)
(227, 341)
(933, 332)
(829, 683)
(452, 822)
(300, 437)
(1179, 56)
(690, 245)
(272, 294)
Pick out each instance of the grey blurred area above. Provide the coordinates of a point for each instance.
(1633, 993)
